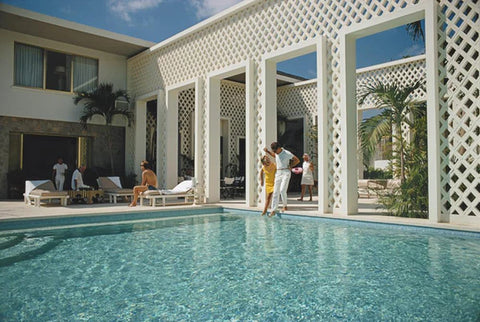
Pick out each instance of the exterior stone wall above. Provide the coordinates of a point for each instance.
(99, 153)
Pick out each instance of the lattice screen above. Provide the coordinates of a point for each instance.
(151, 135)
(269, 25)
(460, 107)
(300, 101)
(186, 106)
(232, 107)
(404, 73)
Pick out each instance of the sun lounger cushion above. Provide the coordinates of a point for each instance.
(47, 189)
(107, 184)
(181, 188)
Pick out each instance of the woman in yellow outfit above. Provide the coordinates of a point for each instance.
(268, 168)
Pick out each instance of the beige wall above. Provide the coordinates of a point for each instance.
(45, 104)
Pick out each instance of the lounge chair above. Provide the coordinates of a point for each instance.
(185, 189)
(112, 187)
(37, 190)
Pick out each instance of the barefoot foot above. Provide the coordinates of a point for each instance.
(132, 204)
(272, 214)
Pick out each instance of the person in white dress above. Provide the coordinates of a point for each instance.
(307, 176)
(59, 170)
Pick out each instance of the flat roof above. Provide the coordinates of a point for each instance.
(40, 25)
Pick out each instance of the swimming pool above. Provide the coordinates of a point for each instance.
(229, 266)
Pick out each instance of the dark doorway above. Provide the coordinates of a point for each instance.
(241, 156)
(292, 140)
(40, 153)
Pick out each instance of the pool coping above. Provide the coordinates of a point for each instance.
(371, 223)
(75, 219)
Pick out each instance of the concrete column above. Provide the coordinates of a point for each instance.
(251, 160)
(322, 127)
(360, 151)
(140, 136)
(213, 140)
(433, 117)
(199, 139)
(348, 124)
(161, 108)
(269, 110)
(171, 140)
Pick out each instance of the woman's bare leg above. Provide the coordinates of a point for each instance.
(310, 189)
(267, 203)
(136, 191)
(303, 192)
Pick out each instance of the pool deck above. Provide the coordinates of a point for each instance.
(368, 211)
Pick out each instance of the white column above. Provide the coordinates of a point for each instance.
(171, 140)
(212, 174)
(433, 123)
(269, 110)
(348, 124)
(140, 136)
(359, 148)
(199, 139)
(251, 160)
(161, 108)
(322, 127)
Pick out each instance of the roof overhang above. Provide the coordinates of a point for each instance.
(39, 25)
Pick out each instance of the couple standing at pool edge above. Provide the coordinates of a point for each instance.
(277, 176)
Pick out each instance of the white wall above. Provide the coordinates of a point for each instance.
(44, 104)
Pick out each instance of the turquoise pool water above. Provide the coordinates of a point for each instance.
(239, 267)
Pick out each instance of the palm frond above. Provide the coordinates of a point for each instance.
(415, 30)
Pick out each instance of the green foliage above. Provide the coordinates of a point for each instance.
(372, 173)
(102, 101)
(411, 198)
(409, 161)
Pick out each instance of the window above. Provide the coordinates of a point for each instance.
(58, 75)
(28, 66)
(41, 68)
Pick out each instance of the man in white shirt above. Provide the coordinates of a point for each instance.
(59, 170)
(285, 161)
(77, 179)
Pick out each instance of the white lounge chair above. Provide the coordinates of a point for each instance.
(37, 190)
(112, 187)
(185, 189)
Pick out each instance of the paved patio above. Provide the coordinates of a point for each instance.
(368, 211)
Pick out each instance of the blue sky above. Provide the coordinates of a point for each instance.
(157, 20)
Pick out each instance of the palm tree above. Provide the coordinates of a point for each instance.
(397, 109)
(415, 30)
(102, 101)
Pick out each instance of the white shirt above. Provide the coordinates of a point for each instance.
(60, 170)
(283, 159)
(77, 175)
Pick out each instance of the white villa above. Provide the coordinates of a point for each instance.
(212, 93)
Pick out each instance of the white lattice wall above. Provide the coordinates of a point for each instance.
(260, 27)
(232, 107)
(300, 100)
(186, 106)
(403, 72)
(459, 70)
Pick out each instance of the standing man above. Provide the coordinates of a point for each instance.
(59, 170)
(285, 161)
(149, 182)
(77, 179)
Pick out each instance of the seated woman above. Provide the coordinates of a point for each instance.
(149, 182)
